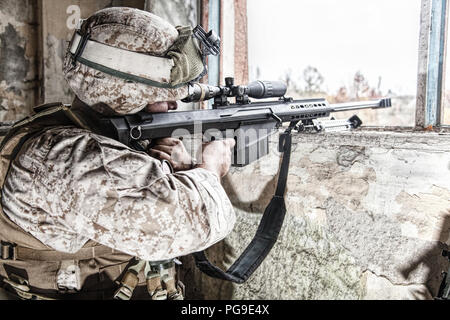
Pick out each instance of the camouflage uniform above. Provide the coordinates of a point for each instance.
(69, 185)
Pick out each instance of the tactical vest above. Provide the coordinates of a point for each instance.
(31, 270)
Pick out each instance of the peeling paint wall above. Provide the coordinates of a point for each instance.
(422, 70)
(18, 58)
(177, 12)
(368, 218)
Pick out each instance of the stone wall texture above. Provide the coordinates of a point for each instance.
(18, 58)
(368, 218)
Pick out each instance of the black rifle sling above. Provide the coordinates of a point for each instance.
(267, 233)
(444, 289)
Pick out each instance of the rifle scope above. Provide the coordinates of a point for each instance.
(256, 89)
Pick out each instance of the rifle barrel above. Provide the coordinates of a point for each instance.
(374, 104)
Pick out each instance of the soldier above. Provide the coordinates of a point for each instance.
(86, 217)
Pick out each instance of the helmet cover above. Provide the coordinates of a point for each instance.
(129, 29)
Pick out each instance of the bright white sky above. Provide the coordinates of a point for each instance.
(339, 37)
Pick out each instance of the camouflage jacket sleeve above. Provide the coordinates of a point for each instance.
(68, 186)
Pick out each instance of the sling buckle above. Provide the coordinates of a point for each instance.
(7, 251)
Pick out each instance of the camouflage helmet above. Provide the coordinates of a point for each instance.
(122, 59)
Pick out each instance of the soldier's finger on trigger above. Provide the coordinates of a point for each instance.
(168, 141)
(159, 154)
(164, 148)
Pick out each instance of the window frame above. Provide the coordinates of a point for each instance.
(431, 66)
(432, 62)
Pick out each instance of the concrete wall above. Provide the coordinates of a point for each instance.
(177, 12)
(368, 218)
(18, 58)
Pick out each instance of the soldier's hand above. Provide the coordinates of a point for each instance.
(172, 150)
(216, 156)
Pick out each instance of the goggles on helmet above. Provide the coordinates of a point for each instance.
(183, 63)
